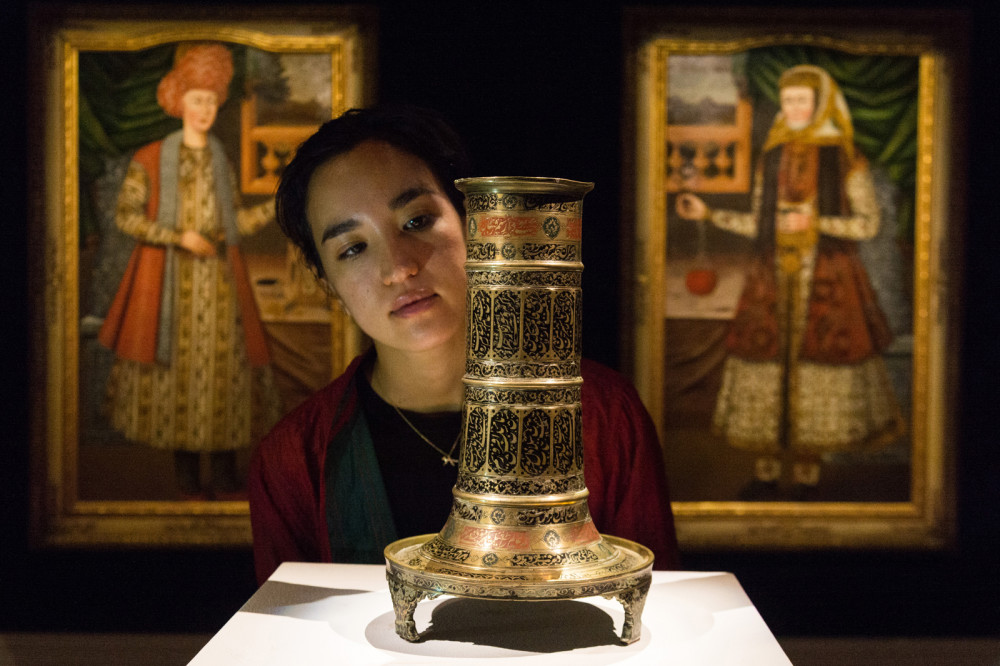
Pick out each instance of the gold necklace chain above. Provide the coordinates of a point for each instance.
(446, 458)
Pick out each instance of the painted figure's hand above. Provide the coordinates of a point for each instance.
(196, 244)
(691, 207)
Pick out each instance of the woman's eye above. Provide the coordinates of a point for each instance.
(352, 250)
(419, 222)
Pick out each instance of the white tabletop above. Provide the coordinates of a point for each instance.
(342, 614)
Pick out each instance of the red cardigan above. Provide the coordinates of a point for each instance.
(623, 469)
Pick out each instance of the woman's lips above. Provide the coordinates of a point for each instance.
(413, 303)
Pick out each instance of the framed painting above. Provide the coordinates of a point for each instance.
(795, 228)
(176, 322)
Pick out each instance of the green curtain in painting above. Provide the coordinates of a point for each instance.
(118, 113)
(881, 92)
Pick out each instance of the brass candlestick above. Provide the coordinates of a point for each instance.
(519, 526)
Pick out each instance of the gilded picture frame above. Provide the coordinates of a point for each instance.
(732, 484)
(91, 484)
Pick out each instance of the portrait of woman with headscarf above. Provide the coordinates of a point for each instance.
(191, 372)
(804, 375)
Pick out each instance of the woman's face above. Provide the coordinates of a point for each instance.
(798, 104)
(391, 245)
(200, 107)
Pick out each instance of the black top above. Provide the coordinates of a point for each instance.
(417, 482)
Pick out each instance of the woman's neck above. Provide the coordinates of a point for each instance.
(429, 381)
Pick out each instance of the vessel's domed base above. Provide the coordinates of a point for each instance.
(413, 574)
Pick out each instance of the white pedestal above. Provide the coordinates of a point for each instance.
(342, 614)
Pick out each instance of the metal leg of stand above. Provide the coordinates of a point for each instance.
(632, 599)
(404, 602)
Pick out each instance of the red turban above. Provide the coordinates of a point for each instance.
(206, 66)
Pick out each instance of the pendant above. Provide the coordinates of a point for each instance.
(448, 460)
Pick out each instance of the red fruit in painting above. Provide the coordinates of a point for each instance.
(700, 281)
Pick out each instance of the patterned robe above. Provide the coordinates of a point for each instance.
(208, 397)
(804, 369)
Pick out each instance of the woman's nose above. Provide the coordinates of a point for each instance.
(401, 262)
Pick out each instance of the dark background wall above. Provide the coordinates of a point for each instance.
(537, 89)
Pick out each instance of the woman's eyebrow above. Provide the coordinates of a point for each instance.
(408, 195)
(338, 228)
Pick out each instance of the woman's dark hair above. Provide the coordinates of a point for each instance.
(420, 132)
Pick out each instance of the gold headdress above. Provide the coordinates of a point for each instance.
(831, 121)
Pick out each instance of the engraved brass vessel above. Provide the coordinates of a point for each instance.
(519, 526)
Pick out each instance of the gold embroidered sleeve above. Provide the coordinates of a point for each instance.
(738, 222)
(249, 220)
(130, 210)
(863, 222)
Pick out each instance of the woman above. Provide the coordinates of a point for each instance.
(370, 201)
(804, 372)
(191, 373)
